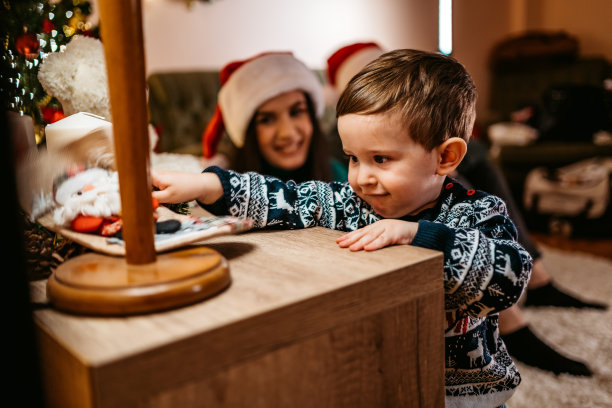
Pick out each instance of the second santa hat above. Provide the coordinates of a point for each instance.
(246, 84)
(347, 61)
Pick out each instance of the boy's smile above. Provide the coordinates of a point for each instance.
(387, 169)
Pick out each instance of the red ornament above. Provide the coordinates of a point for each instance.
(51, 114)
(48, 26)
(27, 44)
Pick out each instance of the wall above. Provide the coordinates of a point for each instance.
(208, 35)
(479, 24)
(589, 20)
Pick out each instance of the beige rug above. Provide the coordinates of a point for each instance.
(583, 334)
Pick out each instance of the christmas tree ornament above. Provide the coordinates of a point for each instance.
(52, 114)
(27, 45)
(48, 26)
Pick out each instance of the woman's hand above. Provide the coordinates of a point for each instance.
(178, 187)
(379, 235)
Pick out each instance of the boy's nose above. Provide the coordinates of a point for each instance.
(365, 177)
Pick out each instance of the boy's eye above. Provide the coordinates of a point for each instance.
(350, 158)
(380, 159)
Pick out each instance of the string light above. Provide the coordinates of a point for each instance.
(40, 31)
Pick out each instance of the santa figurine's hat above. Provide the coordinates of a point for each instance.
(246, 84)
(343, 64)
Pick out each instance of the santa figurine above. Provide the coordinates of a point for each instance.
(88, 200)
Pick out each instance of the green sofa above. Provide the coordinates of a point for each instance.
(180, 106)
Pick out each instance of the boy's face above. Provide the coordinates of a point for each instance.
(387, 169)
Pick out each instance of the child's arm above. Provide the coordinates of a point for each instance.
(270, 202)
(485, 269)
(492, 280)
(177, 187)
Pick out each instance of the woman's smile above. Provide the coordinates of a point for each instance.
(289, 148)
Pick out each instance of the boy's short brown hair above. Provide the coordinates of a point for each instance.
(433, 93)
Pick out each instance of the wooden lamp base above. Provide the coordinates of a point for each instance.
(96, 284)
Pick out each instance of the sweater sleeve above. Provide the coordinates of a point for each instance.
(485, 269)
(273, 203)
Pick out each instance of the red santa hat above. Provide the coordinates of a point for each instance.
(246, 84)
(348, 61)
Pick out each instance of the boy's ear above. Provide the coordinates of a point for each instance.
(450, 154)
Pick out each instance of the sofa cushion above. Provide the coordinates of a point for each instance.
(180, 106)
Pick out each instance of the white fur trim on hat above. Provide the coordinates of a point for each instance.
(353, 64)
(259, 80)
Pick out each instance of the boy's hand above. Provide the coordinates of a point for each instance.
(379, 235)
(178, 187)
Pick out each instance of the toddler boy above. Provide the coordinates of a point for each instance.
(404, 121)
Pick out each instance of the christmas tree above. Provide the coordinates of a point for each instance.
(31, 30)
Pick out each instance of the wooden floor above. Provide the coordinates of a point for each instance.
(600, 247)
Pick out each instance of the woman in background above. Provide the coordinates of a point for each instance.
(270, 106)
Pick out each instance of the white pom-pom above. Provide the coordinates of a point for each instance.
(77, 77)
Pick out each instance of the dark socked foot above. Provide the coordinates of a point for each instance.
(549, 295)
(524, 346)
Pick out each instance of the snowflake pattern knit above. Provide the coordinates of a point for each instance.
(485, 269)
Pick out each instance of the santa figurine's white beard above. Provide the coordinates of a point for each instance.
(101, 200)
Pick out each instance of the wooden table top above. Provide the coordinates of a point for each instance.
(285, 284)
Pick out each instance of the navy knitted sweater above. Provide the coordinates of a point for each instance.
(485, 269)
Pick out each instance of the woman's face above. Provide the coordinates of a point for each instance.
(284, 130)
